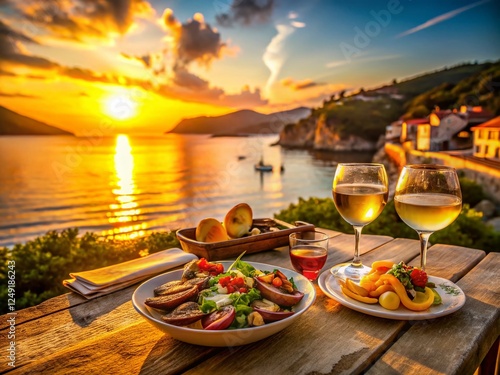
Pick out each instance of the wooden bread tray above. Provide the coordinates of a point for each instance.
(250, 244)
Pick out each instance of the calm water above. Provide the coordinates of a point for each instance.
(129, 186)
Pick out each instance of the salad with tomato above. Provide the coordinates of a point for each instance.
(212, 298)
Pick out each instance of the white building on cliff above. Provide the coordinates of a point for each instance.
(487, 139)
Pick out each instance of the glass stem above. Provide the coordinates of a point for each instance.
(424, 240)
(356, 262)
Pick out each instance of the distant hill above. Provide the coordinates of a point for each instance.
(242, 122)
(480, 88)
(12, 123)
(416, 85)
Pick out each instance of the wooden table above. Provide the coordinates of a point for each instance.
(71, 335)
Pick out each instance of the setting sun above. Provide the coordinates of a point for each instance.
(120, 107)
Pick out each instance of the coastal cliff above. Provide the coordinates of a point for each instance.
(320, 133)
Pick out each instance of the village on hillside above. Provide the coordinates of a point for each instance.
(466, 138)
(470, 131)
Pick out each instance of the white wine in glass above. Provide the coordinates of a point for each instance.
(427, 198)
(360, 192)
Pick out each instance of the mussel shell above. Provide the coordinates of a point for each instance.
(190, 270)
(184, 314)
(200, 282)
(171, 301)
(171, 287)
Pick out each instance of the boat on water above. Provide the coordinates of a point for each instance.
(262, 167)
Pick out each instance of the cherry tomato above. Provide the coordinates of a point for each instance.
(219, 268)
(202, 264)
(277, 282)
(238, 281)
(224, 281)
(212, 268)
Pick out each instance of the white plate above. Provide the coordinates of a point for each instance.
(233, 337)
(453, 299)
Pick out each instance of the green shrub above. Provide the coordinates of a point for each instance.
(472, 193)
(320, 212)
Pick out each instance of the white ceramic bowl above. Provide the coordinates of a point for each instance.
(233, 337)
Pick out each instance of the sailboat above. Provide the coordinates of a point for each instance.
(261, 167)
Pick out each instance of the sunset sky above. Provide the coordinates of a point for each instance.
(138, 66)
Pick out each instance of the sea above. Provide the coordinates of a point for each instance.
(128, 186)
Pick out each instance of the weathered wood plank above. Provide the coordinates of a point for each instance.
(71, 328)
(135, 349)
(63, 329)
(455, 344)
(400, 249)
(50, 306)
(449, 261)
(107, 335)
(68, 326)
(342, 247)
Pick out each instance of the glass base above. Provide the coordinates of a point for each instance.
(349, 271)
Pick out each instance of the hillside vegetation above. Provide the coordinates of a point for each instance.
(479, 89)
(367, 113)
(419, 84)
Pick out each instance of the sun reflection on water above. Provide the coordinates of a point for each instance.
(125, 212)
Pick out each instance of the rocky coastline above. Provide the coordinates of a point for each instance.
(317, 133)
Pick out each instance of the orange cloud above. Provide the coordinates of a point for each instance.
(79, 20)
(144, 59)
(6, 30)
(13, 52)
(189, 87)
(194, 41)
(298, 85)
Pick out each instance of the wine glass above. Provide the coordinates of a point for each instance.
(360, 192)
(427, 198)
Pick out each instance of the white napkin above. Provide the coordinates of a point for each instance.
(101, 281)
